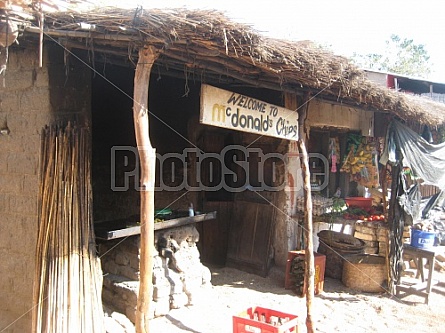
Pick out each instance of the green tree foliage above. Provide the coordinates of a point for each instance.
(402, 56)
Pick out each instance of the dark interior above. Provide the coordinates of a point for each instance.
(174, 104)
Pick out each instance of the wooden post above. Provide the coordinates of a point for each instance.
(396, 223)
(383, 177)
(147, 57)
(308, 228)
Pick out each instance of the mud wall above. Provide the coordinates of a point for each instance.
(30, 98)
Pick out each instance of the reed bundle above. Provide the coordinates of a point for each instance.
(68, 279)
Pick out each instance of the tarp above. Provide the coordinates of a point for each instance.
(426, 161)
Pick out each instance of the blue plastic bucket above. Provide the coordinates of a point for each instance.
(422, 239)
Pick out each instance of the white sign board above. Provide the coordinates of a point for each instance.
(234, 111)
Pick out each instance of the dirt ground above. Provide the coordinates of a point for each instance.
(337, 309)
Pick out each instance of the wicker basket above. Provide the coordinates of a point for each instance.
(365, 272)
(342, 241)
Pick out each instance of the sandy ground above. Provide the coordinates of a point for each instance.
(337, 309)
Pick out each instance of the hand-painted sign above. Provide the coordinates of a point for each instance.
(231, 110)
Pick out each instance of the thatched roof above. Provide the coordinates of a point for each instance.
(213, 46)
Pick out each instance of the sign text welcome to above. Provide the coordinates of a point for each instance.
(230, 110)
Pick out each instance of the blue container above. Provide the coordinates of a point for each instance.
(422, 239)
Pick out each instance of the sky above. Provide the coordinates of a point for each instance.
(345, 26)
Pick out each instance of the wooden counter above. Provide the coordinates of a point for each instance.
(128, 227)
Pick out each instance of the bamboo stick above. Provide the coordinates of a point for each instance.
(38, 276)
(57, 254)
(65, 293)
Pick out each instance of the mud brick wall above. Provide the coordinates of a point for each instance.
(375, 236)
(31, 98)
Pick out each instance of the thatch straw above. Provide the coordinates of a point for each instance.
(216, 48)
(208, 42)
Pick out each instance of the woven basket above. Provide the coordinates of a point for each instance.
(339, 240)
(364, 272)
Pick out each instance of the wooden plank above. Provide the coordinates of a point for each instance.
(250, 237)
(416, 252)
(136, 230)
(120, 233)
(226, 109)
(184, 221)
(418, 290)
(213, 236)
(415, 287)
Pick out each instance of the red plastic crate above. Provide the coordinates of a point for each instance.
(244, 322)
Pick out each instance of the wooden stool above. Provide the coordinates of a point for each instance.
(422, 288)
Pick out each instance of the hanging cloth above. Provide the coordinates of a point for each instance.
(426, 161)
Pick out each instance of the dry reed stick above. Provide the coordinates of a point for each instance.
(67, 287)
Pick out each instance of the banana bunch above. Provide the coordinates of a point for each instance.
(360, 161)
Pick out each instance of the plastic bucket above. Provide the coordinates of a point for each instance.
(422, 239)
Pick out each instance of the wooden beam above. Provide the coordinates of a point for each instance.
(86, 34)
(309, 271)
(147, 57)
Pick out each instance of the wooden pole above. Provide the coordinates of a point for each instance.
(41, 22)
(383, 178)
(309, 272)
(147, 57)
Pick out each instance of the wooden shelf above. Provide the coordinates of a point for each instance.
(128, 227)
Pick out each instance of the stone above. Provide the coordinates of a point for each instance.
(363, 236)
(130, 312)
(158, 276)
(371, 243)
(371, 250)
(382, 234)
(110, 267)
(161, 290)
(123, 321)
(206, 276)
(107, 295)
(121, 259)
(159, 262)
(178, 300)
(175, 280)
(191, 284)
(365, 228)
(112, 327)
(383, 249)
(161, 307)
(171, 289)
(129, 272)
